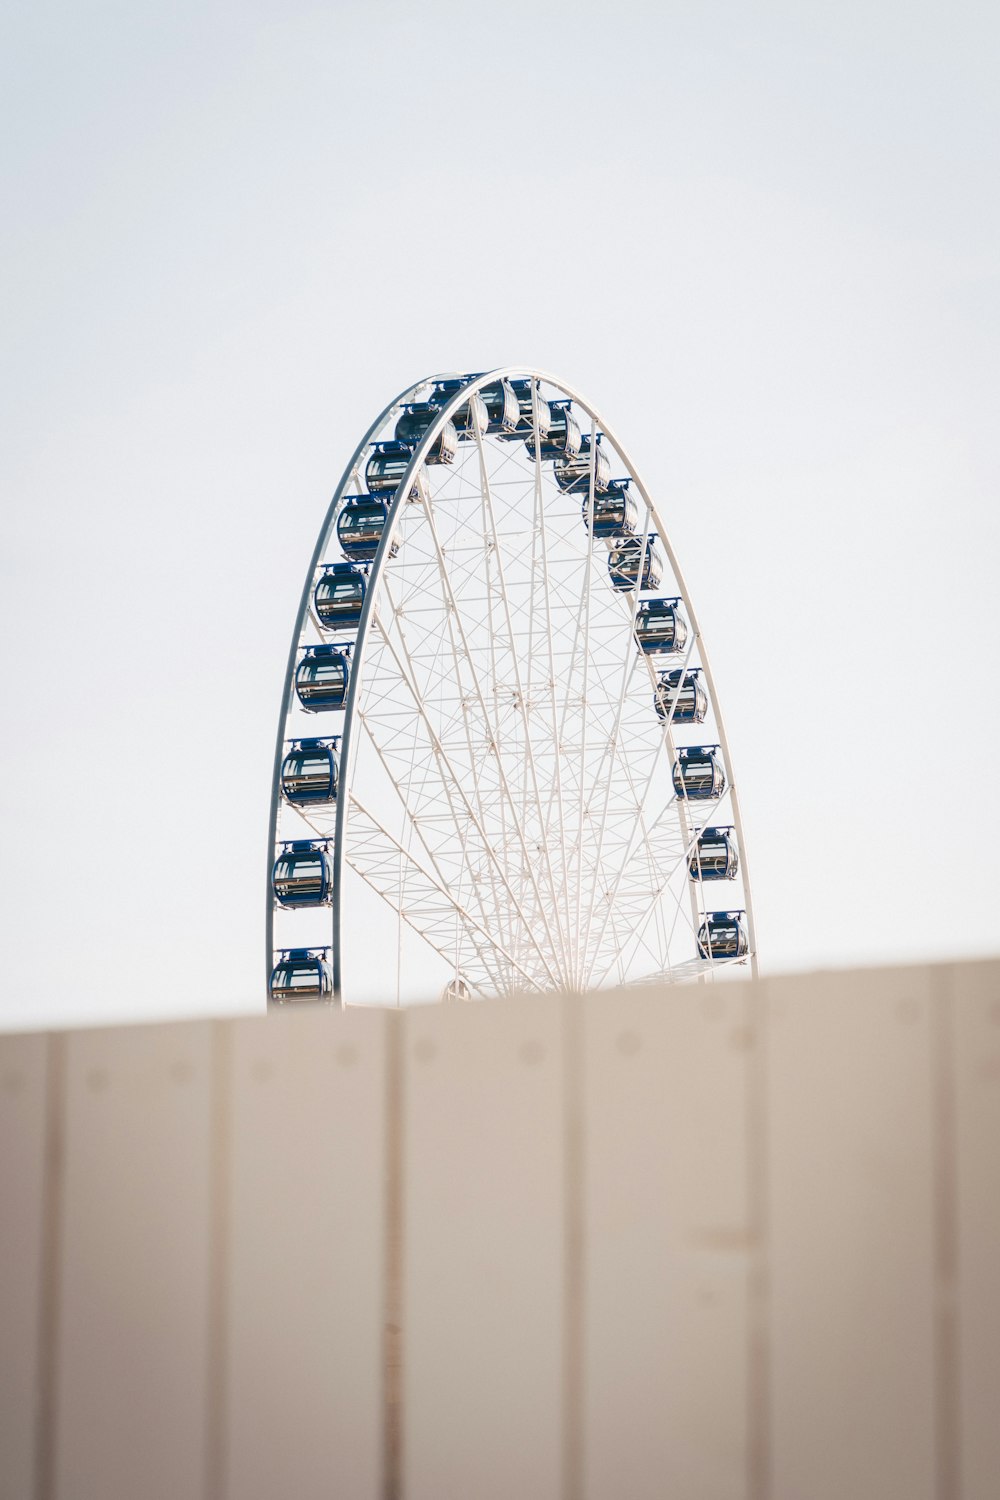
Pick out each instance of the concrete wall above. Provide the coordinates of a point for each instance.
(731, 1241)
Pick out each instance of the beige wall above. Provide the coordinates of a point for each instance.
(730, 1241)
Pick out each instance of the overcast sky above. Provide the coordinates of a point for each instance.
(762, 238)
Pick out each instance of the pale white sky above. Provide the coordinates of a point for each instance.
(762, 238)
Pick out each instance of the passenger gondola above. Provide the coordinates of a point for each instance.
(698, 773)
(624, 561)
(723, 934)
(714, 855)
(468, 419)
(414, 423)
(503, 412)
(531, 408)
(616, 512)
(360, 526)
(309, 773)
(572, 473)
(340, 592)
(562, 440)
(302, 875)
(321, 678)
(680, 697)
(660, 628)
(385, 469)
(300, 975)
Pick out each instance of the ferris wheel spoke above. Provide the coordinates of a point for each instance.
(493, 724)
(654, 913)
(477, 763)
(636, 939)
(541, 584)
(623, 863)
(416, 826)
(506, 800)
(588, 566)
(450, 775)
(643, 845)
(436, 936)
(559, 719)
(459, 718)
(439, 905)
(628, 669)
(540, 529)
(586, 708)
(710, 809)
(497, 550)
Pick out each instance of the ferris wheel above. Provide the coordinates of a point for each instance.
(498, 716)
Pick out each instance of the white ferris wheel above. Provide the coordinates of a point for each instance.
(499, 717)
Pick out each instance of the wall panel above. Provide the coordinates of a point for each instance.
(665, 1204)
(851, 1256)
(483, 1154)
(132, 1325)
(305, 1230)
(976, 1012)
(23, 1071)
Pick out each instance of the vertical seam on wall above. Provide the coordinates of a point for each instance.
(572, 1022)
(220, 1105)
(52, 1227)
(392, 1332)
(948, 1485)
(758, 1372)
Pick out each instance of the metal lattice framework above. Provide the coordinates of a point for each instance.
(507, 783)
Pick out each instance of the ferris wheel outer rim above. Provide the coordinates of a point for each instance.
(293, 651)
(417, 461)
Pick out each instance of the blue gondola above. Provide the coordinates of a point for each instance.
(563, 437)
(660, 627)
(572, 473)
(469, 419)
(302, 875)
(321, 678)
(339, 595)
(309, 773)
(723, 934)
(624, 560)
(698, 773)
(300, 975)
(616, 512)
(385, 469)
(360, 526)
(503, 412)
(530, 407)
(414, 423)
(714, 856)
(680, 697)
